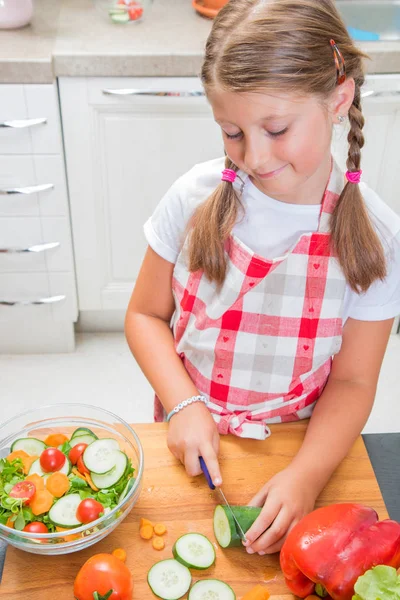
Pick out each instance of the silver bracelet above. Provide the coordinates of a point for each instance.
(186, 403)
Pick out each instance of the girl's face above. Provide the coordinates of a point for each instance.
(282, 141)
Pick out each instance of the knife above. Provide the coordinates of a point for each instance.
(225, 501)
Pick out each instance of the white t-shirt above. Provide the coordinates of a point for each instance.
(270, 227)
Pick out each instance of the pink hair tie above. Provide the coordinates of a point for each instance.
(228, 175)
(353, 176)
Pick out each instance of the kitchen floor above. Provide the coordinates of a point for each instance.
(103, 372)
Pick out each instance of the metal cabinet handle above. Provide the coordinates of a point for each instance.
(32, 189)
(37, 248)
(49, 300)
(380, 94)
(177, 94)
(23, 123)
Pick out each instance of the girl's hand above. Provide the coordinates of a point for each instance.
(287, 497)
(192, 433)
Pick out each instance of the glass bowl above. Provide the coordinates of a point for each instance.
(123, 11)
(65, 418)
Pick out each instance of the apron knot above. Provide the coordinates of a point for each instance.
(240, 425)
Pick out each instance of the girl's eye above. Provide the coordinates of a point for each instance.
(277, 133)
(236, 136)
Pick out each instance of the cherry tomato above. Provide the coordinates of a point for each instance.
(89, 510)
(135, 12)
(36, 527)
(103, 573)
(81, 466)
(76, 452)
(23, 489)
(52, 459)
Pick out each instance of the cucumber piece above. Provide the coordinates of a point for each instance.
(194, 550)
(127, 488)
(63, 512)
(169, 579)
(36, 468)
(224, 525)
(99, 456)
(31, 446)
(211, 588)
(83, 431)
(120, 18)
(114, 475)
(82, 439)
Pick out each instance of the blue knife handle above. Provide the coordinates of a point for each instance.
(206, 473)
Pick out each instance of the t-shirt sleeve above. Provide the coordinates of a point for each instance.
(165, 230)
(382, 300)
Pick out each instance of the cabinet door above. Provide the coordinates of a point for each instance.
(123, 151)
(380, 156)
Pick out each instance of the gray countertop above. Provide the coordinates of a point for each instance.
(71, 38)
(383, 450)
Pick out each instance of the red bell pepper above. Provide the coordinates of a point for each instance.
(332, 546)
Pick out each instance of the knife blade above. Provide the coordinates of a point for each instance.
(221, 493)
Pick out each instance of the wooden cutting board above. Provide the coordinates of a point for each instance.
(186, 505)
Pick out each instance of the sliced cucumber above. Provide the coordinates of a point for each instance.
(120, 18)
(194, 550)
(169, 579)
(127, 488)
(114, 475)
(31, 446)
(63, 512)
(82, 439)
(224, 525)
(83, 431)
(99, 457)
(36, 468)
(211, 588)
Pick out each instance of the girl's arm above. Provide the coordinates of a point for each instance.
(338, 419)
(192, 432)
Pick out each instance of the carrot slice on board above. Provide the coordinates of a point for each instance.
(120, 554)
(160, 529)
(158, 543)
(146, 532)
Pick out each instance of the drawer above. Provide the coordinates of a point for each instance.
(37, 294)
(20, 175)
(22, 104)
(27, 232)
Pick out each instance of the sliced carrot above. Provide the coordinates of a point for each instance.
(57, 484)
(160, 529)
(90, 482)
(24, 457)
(76, 472)
(259, 592)
(55, 439)
(37, 481)
(120, 554)
(68, 538)
(146, 532)
(10, 523)
(144, 522)
(41, 502)
(158, 543)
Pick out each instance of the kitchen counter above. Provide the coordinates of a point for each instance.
(71, 38)
(383, 451)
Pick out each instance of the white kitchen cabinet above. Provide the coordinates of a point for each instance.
(38, 304)
(123, 151)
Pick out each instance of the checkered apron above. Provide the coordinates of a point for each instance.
(260, 348)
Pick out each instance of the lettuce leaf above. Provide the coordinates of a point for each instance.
(379, 583)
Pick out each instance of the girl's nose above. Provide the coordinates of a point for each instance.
(256, 154)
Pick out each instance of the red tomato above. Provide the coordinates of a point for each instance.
(23, 489)
(81, 466)
(103, 573)
(36, 527)
(135, 13)
(52, 459)
(89, 510)
(76, 452)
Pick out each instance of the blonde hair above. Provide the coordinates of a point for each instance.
(284, 45)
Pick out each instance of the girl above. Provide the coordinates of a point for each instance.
(251, 285)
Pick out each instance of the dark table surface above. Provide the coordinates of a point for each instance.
(384, 452)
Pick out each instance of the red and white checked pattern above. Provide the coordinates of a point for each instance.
(260, 347)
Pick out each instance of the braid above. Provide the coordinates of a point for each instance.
(355, 137)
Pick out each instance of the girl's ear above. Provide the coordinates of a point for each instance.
(341, 100)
